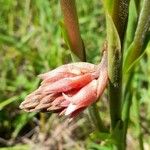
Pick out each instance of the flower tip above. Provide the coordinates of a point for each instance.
(70, 109)
(66, 97)
(42, 76)
(21, 106)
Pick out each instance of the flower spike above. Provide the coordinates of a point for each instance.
(69, 89)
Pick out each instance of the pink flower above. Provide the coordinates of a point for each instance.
(69, 89)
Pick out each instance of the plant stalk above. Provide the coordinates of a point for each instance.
(116, 18)
(118, 10)
(76, 44)
(119, 14)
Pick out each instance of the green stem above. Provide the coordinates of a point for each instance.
(115, 76)
(117, 15)
(129, 82)
(125, 115)
(114, 72)
(120, 16)
(118, 9)
(127, 105)
(115, 109)
(42, 122)
(140, 135)
(69, 11)
(115, 34)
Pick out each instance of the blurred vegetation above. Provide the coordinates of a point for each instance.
(31, 43)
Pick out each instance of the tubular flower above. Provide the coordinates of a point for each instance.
(69, 89)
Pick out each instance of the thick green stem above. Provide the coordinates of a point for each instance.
(116, 25)
(120, 15)
(115, 75)
(117, 15)
(118, 10)
(72, 26)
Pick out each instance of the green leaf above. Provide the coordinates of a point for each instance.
(141, 38)
(21, 121)
(108, 5)
(114, 49)
(126, 106)
(94, 146)
(133, 57)
(7, 102)
(17, 147)
(99, 135)
(116, 136)
(131, 26)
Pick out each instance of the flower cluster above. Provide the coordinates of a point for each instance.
(69, 89)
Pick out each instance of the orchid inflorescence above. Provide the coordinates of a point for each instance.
(69, 89)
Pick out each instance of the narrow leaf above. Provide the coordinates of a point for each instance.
(140, 40)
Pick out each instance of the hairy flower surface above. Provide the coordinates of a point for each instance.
(69, 89)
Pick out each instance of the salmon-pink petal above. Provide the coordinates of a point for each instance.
(48, 98)
(71, 108)
(57, 77)
(74, 68)
(102, 81)
(85, 96)
(28, 105)
(55, 108)
(65, 103)
(59, 70)
(33, 97)
(85, 67)
(66, 97)
(42, 106)
(72, 92)
(67, 84)
(34, 100)
(32, 94)
(58, 100)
